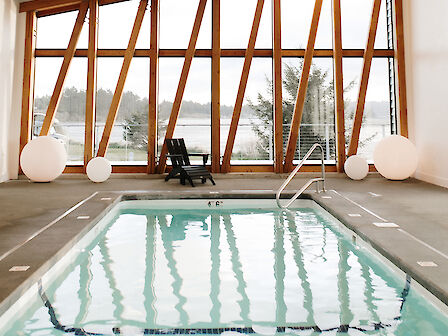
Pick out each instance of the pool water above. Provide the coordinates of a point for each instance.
(188, 267)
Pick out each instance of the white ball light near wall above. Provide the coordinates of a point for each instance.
(99, 169)
(43, 159)
(395, 157)
(356, 167)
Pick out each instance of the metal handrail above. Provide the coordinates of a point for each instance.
(294, 172)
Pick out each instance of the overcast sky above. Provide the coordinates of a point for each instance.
(177, 17)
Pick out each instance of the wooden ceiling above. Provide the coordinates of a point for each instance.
(50, 7)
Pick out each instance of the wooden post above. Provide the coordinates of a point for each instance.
(28, 80)
(303, 85)
(153, 87)
(189, 54)
(242, 87)
(400, 71)
(216, 82)
(91, 82)
(368, 55)
(278, 86)
(116, 99)
(338, 86)
(69, 53)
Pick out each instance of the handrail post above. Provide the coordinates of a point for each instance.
(294, 172)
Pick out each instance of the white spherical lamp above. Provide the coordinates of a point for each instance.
(99, 169)
(395, 157)
(43, 159)
(356, 167)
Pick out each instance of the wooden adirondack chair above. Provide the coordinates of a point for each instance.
(181, 167)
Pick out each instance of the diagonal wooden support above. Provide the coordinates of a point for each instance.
(368, 55)
(338, 86)
(69, 53)
(91, 81)
(153, 87)
(116, 99)
(242, 87)
(278, 87)
(303, 86)
(189, 54)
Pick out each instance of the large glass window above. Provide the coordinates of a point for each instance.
(317, 124)
(69, 122)
(254, 143)
(376, 119)
(129, 137)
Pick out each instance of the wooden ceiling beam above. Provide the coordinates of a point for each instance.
(51, 7)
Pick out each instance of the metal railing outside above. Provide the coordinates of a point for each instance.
(293, 174)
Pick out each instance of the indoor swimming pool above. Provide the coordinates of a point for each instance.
(228, 266)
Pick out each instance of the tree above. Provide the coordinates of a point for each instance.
(318, 112)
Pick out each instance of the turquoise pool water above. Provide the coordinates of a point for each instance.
(192, 267)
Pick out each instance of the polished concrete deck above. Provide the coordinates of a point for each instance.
(419, 209)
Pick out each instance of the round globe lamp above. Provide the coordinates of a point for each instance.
(43, 159)
(356, 167)
(395, 157)
(99, 169)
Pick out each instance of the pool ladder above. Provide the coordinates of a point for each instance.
(310, 182)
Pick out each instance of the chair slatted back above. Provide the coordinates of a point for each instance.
(177, 147)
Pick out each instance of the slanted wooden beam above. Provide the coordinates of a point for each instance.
(400, 68)
(153, 87)
(303, 86)
(51, 7)
(39, 5)
(216, 88)
(242, 87)
(368, 55)
(338, 86)
(278, 87)
(69, 53)
(189, 54)
(118, 94)
(91, 82)
(28, 80)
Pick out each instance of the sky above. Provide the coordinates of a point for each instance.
(176, 22)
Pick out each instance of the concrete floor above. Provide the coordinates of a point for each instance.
(419, 209)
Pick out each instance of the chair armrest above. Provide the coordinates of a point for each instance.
(204, 156)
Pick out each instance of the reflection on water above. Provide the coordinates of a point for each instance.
(184, 271)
